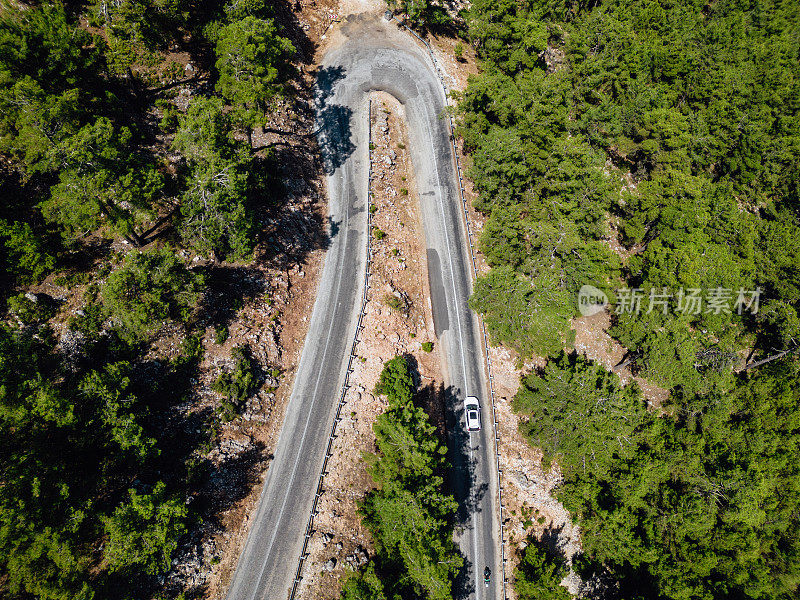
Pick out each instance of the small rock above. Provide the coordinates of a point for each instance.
(330, 565)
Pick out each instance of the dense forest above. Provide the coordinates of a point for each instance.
(651, 148)
(102, 156)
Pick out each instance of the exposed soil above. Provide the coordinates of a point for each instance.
(592, 340)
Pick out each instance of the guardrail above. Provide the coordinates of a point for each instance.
(345, 385)
(439, 74)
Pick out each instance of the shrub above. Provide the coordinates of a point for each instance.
(29, 311)
(427, 346)
(459, 51)
(148, 290)
(395, 381)
(192, 346)
(393, 302)
(236, 385)
(90, 320)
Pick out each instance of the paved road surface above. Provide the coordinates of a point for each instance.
(376, 56)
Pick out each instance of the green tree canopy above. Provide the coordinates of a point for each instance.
(215, 219)
(48, 76)
(580, 415)
(250, 59)
(408, 514)
(149, 289)
(539, 575)
(101, 181)
(143, 533)
(395, 381)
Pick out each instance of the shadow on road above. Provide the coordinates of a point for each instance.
(333, 121)
(462, 481)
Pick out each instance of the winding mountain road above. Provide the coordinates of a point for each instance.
(376, 56)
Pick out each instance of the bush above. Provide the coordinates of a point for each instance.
(29, 311)
(236, 385)
(393, 302)
(221, 334)
(148, 290)
(427, 346)
(378, 233)
(90, 320)
(395, 381)
(192, 346)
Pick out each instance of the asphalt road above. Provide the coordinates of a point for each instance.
(375, 56)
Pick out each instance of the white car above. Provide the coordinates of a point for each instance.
(472, 413)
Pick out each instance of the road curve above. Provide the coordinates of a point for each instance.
(375, 56)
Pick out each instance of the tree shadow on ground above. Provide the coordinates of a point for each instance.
(288, 233)
(228, 289)
(333, 121)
